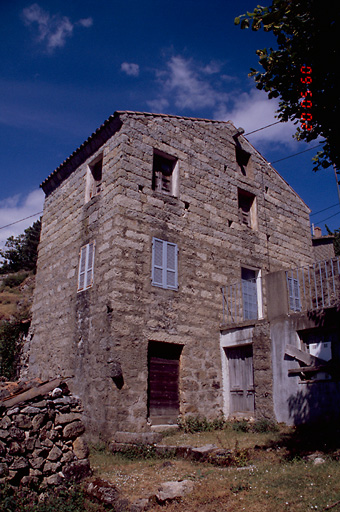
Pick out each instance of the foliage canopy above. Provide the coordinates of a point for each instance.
(21, 252)
(307, 34)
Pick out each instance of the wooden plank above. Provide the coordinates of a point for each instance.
(309, 369)
(31, 393)
(303, 357)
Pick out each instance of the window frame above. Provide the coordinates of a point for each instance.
(86, 267)
(162, 270)
(158, 177)
(243, 160)
(294, 296)
(247, 218)
(258, 288)
(93, 183)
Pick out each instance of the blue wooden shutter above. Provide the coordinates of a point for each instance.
(171, 265)
(86, 266)
(82, 268)
(89, 264)
(164, 264)
(157, 262)
(294, 294)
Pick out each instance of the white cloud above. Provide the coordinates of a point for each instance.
(254, 110)
(15, 208)
(86, 22)
(184, 83)
(159, 105)
(130, 68)
(212, 68)
(53, 30)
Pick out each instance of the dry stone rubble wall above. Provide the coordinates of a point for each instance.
(42, 442)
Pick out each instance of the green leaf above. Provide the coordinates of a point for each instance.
(237, 21)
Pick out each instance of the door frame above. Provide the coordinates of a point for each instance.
(232, 339)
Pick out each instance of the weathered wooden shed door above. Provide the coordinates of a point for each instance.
(241, 379)
(163, 395)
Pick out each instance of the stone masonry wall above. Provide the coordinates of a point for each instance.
(89, 334)
(41, 441)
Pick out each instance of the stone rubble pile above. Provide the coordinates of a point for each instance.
(41, 440)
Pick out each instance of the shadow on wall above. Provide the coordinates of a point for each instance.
(318, 401)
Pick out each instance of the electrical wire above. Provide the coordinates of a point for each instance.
(17, 221)
(291, 156)
(324, 220)
(320, 211)
(263, 127)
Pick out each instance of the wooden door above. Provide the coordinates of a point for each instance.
(163, 393)
(241, 379)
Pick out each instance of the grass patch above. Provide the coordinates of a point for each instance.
(271, 483)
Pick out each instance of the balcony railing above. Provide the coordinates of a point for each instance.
(314, 287)
(242, 301)
(302, 289)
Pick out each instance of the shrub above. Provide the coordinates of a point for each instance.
(260, 426)
(11, 334)
(67, 499)
(192, 424)
(264, 425)
(241, 426)
(14, 280)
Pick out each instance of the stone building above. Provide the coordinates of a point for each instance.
(143, 225)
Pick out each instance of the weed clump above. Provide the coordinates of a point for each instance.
(64, 499)
(145, 452)
(260, 426)
(14, 280)
(192, 424)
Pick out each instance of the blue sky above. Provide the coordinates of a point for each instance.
(68, 65)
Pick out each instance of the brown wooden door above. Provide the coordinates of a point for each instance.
(163, 395)
(241, 379)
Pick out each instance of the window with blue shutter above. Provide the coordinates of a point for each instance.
(294, 294)
(164, 264)
(86, 266)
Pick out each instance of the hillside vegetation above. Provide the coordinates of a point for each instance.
(17, 278)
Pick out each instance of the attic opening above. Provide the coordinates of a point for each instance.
(247, 208)
(94, 178)
(165, 173)
(243, 160)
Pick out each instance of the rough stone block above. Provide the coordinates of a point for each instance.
(137, 437)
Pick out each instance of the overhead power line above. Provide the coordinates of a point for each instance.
(320, 211)
(263, 127)
(295, 154)
(17, 221)
(324, 220)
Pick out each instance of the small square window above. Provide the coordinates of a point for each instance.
(164, 264)
(247, 209)
(165, 174)
(86, 266)
(94, 179)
